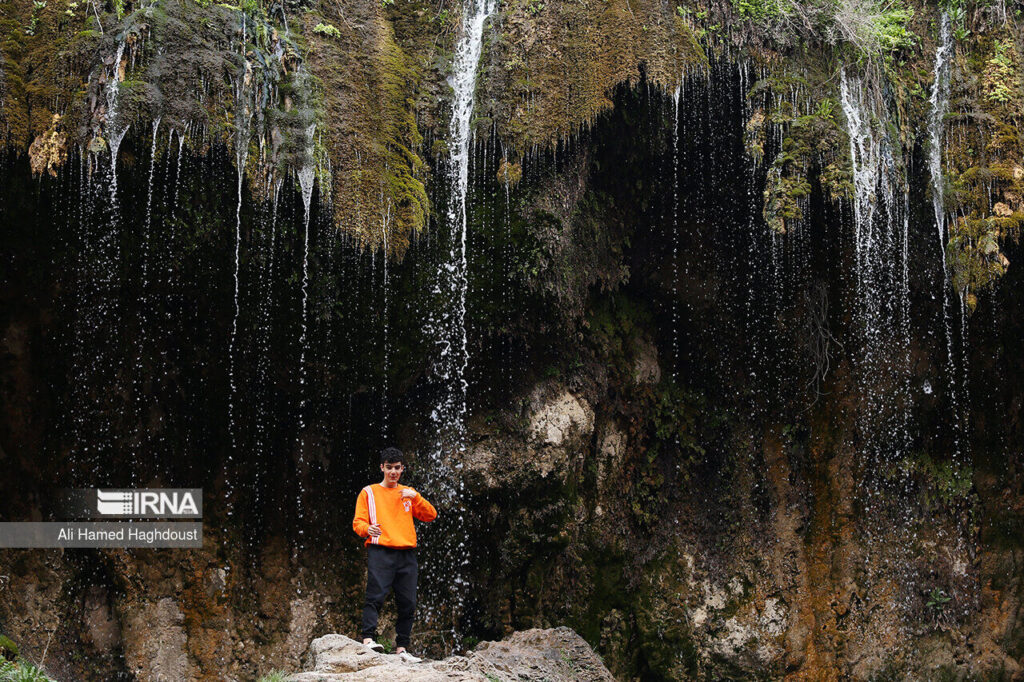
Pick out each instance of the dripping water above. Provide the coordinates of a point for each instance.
(675, 229)
(447, 321)
(241, 158)
(306, 177)
(939, 102)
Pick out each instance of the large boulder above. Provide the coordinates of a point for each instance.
(556, 655)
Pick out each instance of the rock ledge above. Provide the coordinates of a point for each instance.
(556, 655)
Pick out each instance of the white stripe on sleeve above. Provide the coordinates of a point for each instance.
(373, 512)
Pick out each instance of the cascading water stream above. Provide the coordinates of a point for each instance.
(241, 158)
(385, 224)
(95, 345)
(307, 178)
(177, 172)
(266, 306)
(939, 102)
(148, 225)
(144, 296)
(865, 155)
(447, 322)
(881, 316)
(114, 135)
(882, 290)
(936, 124)
(675, 229)
(454, 343)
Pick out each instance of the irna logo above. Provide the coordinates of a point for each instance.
(147, 503)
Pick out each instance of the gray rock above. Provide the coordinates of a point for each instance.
(102, 630)
(555, 418)
(154, 642)
(558, 655)
(558, 430)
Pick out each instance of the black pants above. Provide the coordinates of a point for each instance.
(389, 568)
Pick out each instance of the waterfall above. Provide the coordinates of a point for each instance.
(241, 158)
(881, 328)
(177, 173)
(144, 297)
(447, 322)
(266, 307)
(95, 347)
(307, 178)
(865, 155)
(454, 355)
(385, 223)
(939, 101)
(149, 207)
(114, 136)
(882, 300)
(675, 228)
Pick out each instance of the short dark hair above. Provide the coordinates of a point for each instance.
(392, 454)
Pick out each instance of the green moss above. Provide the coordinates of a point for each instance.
(1001, 78)
(536, 96)
(810, 142)
(372, 138)
(8, 649)
(327, 30)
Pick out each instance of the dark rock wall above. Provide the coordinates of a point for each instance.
(667, 447)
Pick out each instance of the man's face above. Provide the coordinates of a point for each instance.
(392, 471)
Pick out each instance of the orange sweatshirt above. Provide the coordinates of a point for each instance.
(385, 506)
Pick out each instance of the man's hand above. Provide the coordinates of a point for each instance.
(374, 530)
(408, 492)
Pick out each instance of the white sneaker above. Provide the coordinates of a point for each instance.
(374, 646)
(409, 658)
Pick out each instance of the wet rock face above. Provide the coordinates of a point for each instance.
(646, 369)
(556, 416)
(102, 630)
(558, 427)
(554, 655)
(155, 642)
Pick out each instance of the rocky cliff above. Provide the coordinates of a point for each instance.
(736, 296)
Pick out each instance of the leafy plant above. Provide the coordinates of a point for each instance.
(274, 676)
(937, 601)
(33, 23)
(21, 671)
(759, 10)
(327, 30)
(826, 109)
(890, 29)
(253, 9)
(999, 76)
(876, 27)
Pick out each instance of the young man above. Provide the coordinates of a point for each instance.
(384, 516)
